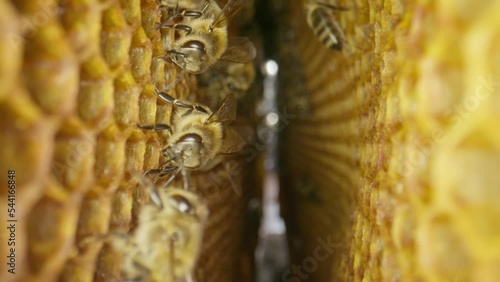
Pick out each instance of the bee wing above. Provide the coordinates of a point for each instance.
(230, 9)
(239, 50)
(226, 111)
(233, 142)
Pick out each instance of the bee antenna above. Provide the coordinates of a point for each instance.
(155, 197)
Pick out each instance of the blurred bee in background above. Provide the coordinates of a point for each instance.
(199, 137)
(321, 20)
(306, 189)
(225, 78)
(166, 243)
(202, 39)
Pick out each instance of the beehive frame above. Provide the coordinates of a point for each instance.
(77, 78)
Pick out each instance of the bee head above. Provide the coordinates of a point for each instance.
(189, 151)
(188, 203)
(192, 56)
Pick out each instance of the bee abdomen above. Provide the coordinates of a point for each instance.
(326, 28)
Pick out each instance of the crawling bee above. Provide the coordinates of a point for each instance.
(201, 38)
(322, 22)
(166, 243)
(199, 137)
(225, 78)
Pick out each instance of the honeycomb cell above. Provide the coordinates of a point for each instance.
(80, 267)
(36, 13)
(440, 250)
(126, 97)
(152, 154)
(81, 20)
(110, 157)
(123, 198)
(131, 11)
(51, 232)
(74, 156)
(26, 144)
(107, 265)
(95, 213)
(147, 105)
(141, 52)
(50, 70)
(135, 149)
(150, 15)
(121, 205)
(115, 38)
(11, 48)
(95, 96)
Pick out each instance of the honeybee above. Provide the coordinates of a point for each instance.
(225, 78)
(320, 19)
(199, 138)
(166, 243)
(202, 39)
(307, 189)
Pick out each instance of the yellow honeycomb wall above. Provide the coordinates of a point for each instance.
(76, 78)
(396, 152)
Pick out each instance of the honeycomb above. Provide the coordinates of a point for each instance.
(77, 77)
(393, 150)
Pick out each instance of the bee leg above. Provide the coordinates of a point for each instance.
(169, 99)
(188, 112)
(167, 169)
(165, 152)
(185, 178)
(163, 58)
(178, 27)
(156, 127)
(177, 170)
(200, 109)
(162, 171)
(184, 27)
(158, 173)
(169, 52)
(193, 14)
(205, 7)
(153, 171)
(155, 197)
(167, 58)
(171, 12)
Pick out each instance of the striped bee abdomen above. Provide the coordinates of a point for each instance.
(325, 27)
